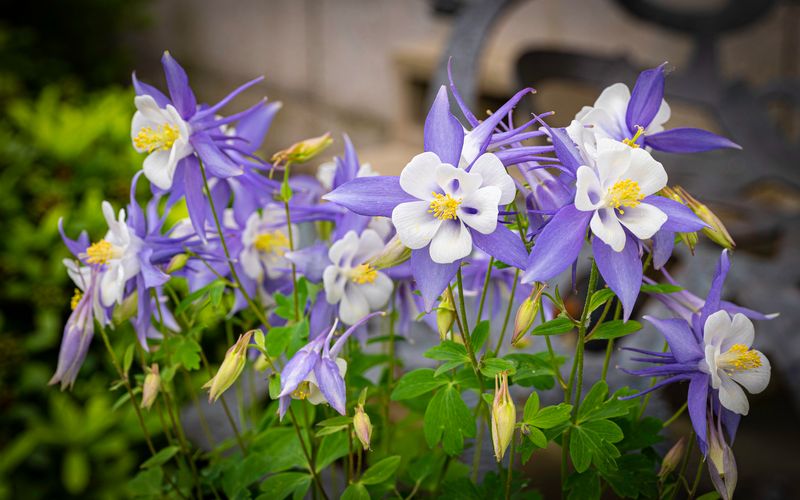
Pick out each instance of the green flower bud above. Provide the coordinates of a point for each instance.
(362, 426)
(717, 232)
(125, 311)
(177, 263)
(445, 315)
(152, 384)
(672, 459)
(230, 369)
(504, 416)
(393, 254)
(303, 151)
(526, 313)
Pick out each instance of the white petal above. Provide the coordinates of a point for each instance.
(457, 181)
(647, 172)
(377, 293)
(250, 263)
(150, 112)
(741, 332)
(158, 169)
(662, 116)
(614, 100)
(354, 305)
(605, 226)
(643, 220)
(491, 169)
(369, 245)
(588, 191)
(717, 327)
(112, 285)
(479, 210)
(341, 253)
(732, 396)
(754, 380)
(602, 125)
(451, 242)
(334, 282)
(613, 160)
(415, 225)
(418, 178)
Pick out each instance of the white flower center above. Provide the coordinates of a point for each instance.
(624, 193)
(101, 252)
(271, 242)
(738, 358)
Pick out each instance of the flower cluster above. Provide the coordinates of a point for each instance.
(487, 209)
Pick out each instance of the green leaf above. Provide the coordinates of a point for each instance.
(160, 458)
(215, 292)
(447, 366)
(355, 491)
(605, 429)
(661, 288)
(615, 329)
(493, 366)
(259, 339)
(584, 486)
(417, 383)
(282, 485)
(580, 450)
(449, 420)
(711, 495)
(331, 448)
(591, 443)
(75, 471)
(282, 448)
(424, 466)
(127, 358)
(325, 431)
(555, 326)
(531, 407)
(147, 483)
(600, 297)
(448, 351)
(279, 337)
(551, 416)
(274, 385)
(381, 471)
(480, 335)
(537, 437)
(184, 350)
(634, 477)
(336, 421)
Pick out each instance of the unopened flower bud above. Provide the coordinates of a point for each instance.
(177, 263)
(152, 384)
(127, 309)
(363, 426)
(261, 364)
(504, 416)
(445, 315)
(716, 232)
(721, 464)
(393, 254)
(303, 151)
(230, 369)
(672, 459)
(526, 313)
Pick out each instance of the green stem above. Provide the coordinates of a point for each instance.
(684, 463)
(510, 467)
(610, 345)
(676, 415)
(310, 461)
(295, 295)
(387, 429)
(461, 302)
(696, 480)
(508, 313)
(485, 288)
(476, 454)
(225, 407)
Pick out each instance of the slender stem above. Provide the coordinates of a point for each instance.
(610, 345)
(256, 309)
(311, 468)
(387, 429)
(200, 413)
(476, 454)
(349, 465)
(684, 463)
(510, 467)
(485, 288)
(676, 415)
(696, 480)
(461, 301)
(225, 407)
(295, 295)
(508, 312)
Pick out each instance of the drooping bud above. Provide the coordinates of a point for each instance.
(303, 151)
(177, 263)
(504, 416)
(688, 239)
(717, 232)
(445, 314)
(672, 459)
(230, 369)
(362, 426)
(721, 464)
(393, 254)
(526, 313)
(152, 384)
(127, 309)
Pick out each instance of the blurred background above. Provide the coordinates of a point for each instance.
(368, 67)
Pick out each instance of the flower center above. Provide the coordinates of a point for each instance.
(162, 137)
(271, 242)
(363, 273)
(632, 141)
(76, 298)
(444, 206)
(101, 252)
(624, 193)
(739, 358)
(303, 390)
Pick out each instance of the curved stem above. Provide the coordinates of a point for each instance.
(676, 415)
(486, 279)
(508, 313)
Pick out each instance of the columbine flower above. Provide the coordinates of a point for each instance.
(265, 241)
(714, 353)
(638, 118)
(350, 281)
(446, 199)
(316, 372)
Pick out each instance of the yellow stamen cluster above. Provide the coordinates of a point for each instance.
(76, 298)
(272, 242)
(624, 193)
(162, 137)
(444, 206)
(303, 390)
(740, 358)
(100, 252)
(363, 273)
(632, 141)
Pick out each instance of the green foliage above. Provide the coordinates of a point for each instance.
(449, 420)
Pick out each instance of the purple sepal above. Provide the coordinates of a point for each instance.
(558, 244)
(477, 139)
(688, 140)
(142, 88)
(680, 219)
(151, 275)
(566, 151)
(714, 296)
(347, 167)
(663, 244)
(322, 315)
(195, 199)
(217, 163)
(646, 97)
(298, 368)
(178, 85)
(622, 271)
(76, 247)
(254, 127)
(331, 384)
(680, 338)
(504, 245)
(311, 261)
(698, 399)
(431, 278)
(443, 134)
(370, 195)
